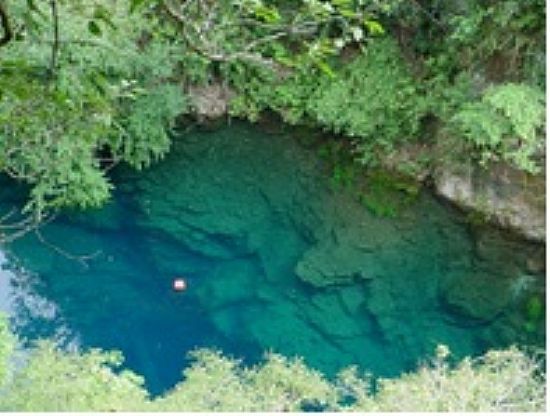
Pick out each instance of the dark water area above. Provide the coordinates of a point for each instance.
(276, 258)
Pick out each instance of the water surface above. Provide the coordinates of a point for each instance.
(276, 258)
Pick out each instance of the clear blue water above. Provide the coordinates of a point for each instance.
(276, 258)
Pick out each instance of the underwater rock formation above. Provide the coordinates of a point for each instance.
(278, 258)
(219, 207)
(340, 325)
(476, 297)
(328, 265)
(266, 199)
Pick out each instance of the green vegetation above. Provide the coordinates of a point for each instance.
(485, 56)
(86, 85)
(374, 100)
(55, 380)
(382, 192)
(534, 311)
(505, 124)
(81, 99)
(386, 195)
(6, 346)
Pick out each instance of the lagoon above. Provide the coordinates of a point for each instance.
(276, 258)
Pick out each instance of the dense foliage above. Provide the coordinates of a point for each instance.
(480, 61)
(374, 99)
(87, 84)
(81, 99)
(506, 123)
(51, 379)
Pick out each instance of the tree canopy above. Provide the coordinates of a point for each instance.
(53, 379)
(85, 85)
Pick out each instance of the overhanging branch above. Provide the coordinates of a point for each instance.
(6, 28)
(198, 42)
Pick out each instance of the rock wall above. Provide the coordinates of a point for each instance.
(508, 197)
(210, 101)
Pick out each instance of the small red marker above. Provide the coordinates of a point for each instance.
(179, 284)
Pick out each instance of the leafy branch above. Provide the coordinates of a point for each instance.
(55, 40)
(249, 30)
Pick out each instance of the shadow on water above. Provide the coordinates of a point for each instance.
(275, 259)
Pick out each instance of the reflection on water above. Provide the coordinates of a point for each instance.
(31, 314)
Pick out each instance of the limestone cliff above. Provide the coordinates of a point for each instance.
(508, 197)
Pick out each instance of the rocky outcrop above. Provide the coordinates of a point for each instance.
(210, 101)
(508, 197)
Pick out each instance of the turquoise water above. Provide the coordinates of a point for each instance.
(276, 258)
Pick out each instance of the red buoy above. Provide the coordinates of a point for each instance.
(179, 284)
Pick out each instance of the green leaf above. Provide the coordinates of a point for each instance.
(348, 13)
(267, 14)
(135, 4)
(374, 27)
(101, 13)
(94, 28)
(31, 5)
(326, 69)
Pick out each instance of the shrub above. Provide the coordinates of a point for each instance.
(507, 123)
(51, 379)
(373, 99)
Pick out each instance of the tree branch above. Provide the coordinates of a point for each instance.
(11, 230)
(5, 23)
(55, 40)
(80, 258)
(208, 51)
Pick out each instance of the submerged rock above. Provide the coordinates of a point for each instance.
(231, 283)
(478, 297)
(327, 265)
(352, 297)
(326, 313)
(277, 328)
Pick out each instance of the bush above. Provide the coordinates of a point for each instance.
(373, 99)
(104, 99)
(54, 380)
(499, 381)
(507, 123)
